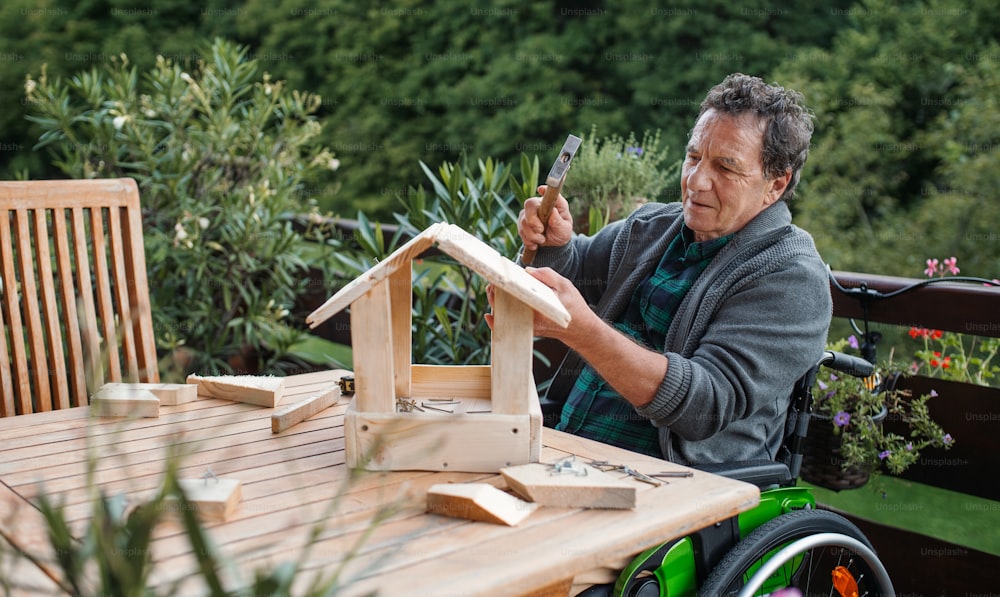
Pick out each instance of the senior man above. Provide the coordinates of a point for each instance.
(692, 320)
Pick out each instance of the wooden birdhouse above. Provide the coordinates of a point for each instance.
(395, 421)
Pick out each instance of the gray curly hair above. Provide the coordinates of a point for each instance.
(788, 124)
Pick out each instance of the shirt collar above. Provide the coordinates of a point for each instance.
(706, 249)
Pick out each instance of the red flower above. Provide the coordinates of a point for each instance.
(944, 364)
(925, 333)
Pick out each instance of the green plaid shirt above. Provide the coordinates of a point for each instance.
(594, 409)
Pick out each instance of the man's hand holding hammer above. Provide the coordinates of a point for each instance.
(554, 232)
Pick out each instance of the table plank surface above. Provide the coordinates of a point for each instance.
(296, 485)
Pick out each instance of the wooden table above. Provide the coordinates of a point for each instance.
(290, 483)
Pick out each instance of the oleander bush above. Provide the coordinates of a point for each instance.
(223, 155)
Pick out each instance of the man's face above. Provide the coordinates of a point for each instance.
(723, 185)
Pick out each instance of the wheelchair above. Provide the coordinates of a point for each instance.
(783, 542)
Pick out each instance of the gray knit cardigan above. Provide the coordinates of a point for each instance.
(753, 322)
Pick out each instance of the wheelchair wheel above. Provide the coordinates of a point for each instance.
(822, 568)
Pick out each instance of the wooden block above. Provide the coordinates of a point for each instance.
(252, 389)
(371, 347)
(477, 501)
(214, 499)
(450, 381)
(130, 403)
(300, 411)
(512, 384)
(428, 441)
(170, 394)
(596, 489)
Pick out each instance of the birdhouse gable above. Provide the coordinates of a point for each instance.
(468, 251)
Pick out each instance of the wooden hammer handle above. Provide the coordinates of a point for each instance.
(544, 211)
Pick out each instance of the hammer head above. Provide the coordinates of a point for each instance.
(561, 165)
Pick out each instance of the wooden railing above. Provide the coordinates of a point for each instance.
(918, 564)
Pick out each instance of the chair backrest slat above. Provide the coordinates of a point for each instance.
(67, 300)
(19, 389)
(138, 291)
(75, 297)
(102, 283)
(52, 332)
(88, 327)
(39, 369)
(119, 285)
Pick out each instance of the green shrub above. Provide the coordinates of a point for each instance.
(611, 176)
(450, 301)
(222, 156)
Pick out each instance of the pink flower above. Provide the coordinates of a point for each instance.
(932, 266)
(950, 263)
(852, 342)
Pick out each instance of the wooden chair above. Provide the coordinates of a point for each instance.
(74, 300)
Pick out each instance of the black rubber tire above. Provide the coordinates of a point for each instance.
(729, 576)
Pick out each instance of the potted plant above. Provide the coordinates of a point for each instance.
(848, 438)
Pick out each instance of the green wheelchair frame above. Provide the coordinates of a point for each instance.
(675, 565)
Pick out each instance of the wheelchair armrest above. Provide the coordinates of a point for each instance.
(762, 473)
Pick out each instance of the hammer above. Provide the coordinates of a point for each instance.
(554, 182)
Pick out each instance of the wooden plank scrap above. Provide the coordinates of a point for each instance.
(587, 487)
(215, 499)
(300, 411)
(252, 389)
(131, 403)
(477, 501)
(170, 394)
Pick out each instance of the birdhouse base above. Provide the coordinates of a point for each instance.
(470, 439)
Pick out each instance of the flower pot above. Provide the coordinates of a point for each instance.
(822, 464)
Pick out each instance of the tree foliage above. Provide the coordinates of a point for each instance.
(904, 152)
(904, 164)
(404, 81)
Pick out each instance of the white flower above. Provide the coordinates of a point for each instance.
(119, 122)
(333, 164)
(30, 86)
(203, 222)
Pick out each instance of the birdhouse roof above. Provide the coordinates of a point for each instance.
(467, 250)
